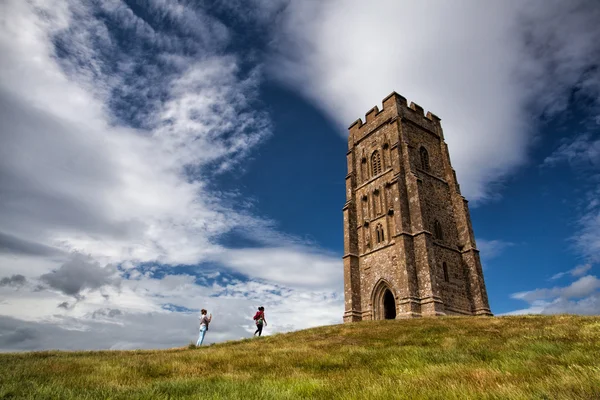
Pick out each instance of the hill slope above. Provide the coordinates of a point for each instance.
(534, 357)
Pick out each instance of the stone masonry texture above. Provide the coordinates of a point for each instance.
(407, 228)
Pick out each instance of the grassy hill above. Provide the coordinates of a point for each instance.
(534, 357)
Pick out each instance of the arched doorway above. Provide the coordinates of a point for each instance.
(389, 305)
(383, 301)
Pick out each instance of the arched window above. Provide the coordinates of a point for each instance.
(424, 159)
(376, 163)
(437, 230)
(380, 234)
(446, 276)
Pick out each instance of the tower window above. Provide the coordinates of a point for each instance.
(376, 163)
(424, 159)
(380, 234)
(438, 233)
(446, 276)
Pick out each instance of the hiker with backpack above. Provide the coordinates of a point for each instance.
(260, 320)
(204, 322)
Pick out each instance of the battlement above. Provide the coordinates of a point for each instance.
(393, 105)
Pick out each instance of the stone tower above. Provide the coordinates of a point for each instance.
(409, 248)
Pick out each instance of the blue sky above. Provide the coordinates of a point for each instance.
(163, 156)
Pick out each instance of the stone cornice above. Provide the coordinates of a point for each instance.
(469, 249)
(445, 246)
(378, 248)
(370, 180)
(404, 233)
(432, 176)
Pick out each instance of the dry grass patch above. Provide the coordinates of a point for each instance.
(532, 357)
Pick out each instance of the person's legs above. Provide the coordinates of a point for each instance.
(259, 330)
(201, 336)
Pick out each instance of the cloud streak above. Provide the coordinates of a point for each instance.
(582, 287)
(579, 270)
(582, 154)
(492, 248)
(579, 297)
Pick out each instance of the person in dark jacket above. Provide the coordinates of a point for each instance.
(260, 320)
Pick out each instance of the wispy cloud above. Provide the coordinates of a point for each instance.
(492, 248)
(582, 287)
(579, 297)
(582, 151)
(294, 266)
(576, 272)
(582, 154)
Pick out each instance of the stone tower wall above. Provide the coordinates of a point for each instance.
(389, 219)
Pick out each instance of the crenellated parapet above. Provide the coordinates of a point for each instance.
(394, 106)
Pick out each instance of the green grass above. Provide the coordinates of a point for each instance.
(532, 357)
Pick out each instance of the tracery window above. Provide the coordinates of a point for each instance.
(438, 233)
(377, 202)
(380, 234)
(376, 163)
(446, 276)
(424, 159)
(363, 169)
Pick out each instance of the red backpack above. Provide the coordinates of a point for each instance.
(259, 317)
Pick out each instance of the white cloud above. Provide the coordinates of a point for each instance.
(582, 151)
(587, 238)
(486, 68)
(589, 305)
(577, 271)
(581, 288)
(579, 297)
(291, 266)
(490, 249)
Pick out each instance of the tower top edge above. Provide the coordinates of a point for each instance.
(388, 103)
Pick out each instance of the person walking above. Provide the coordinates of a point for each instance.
(260, 320)
(204, 322)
